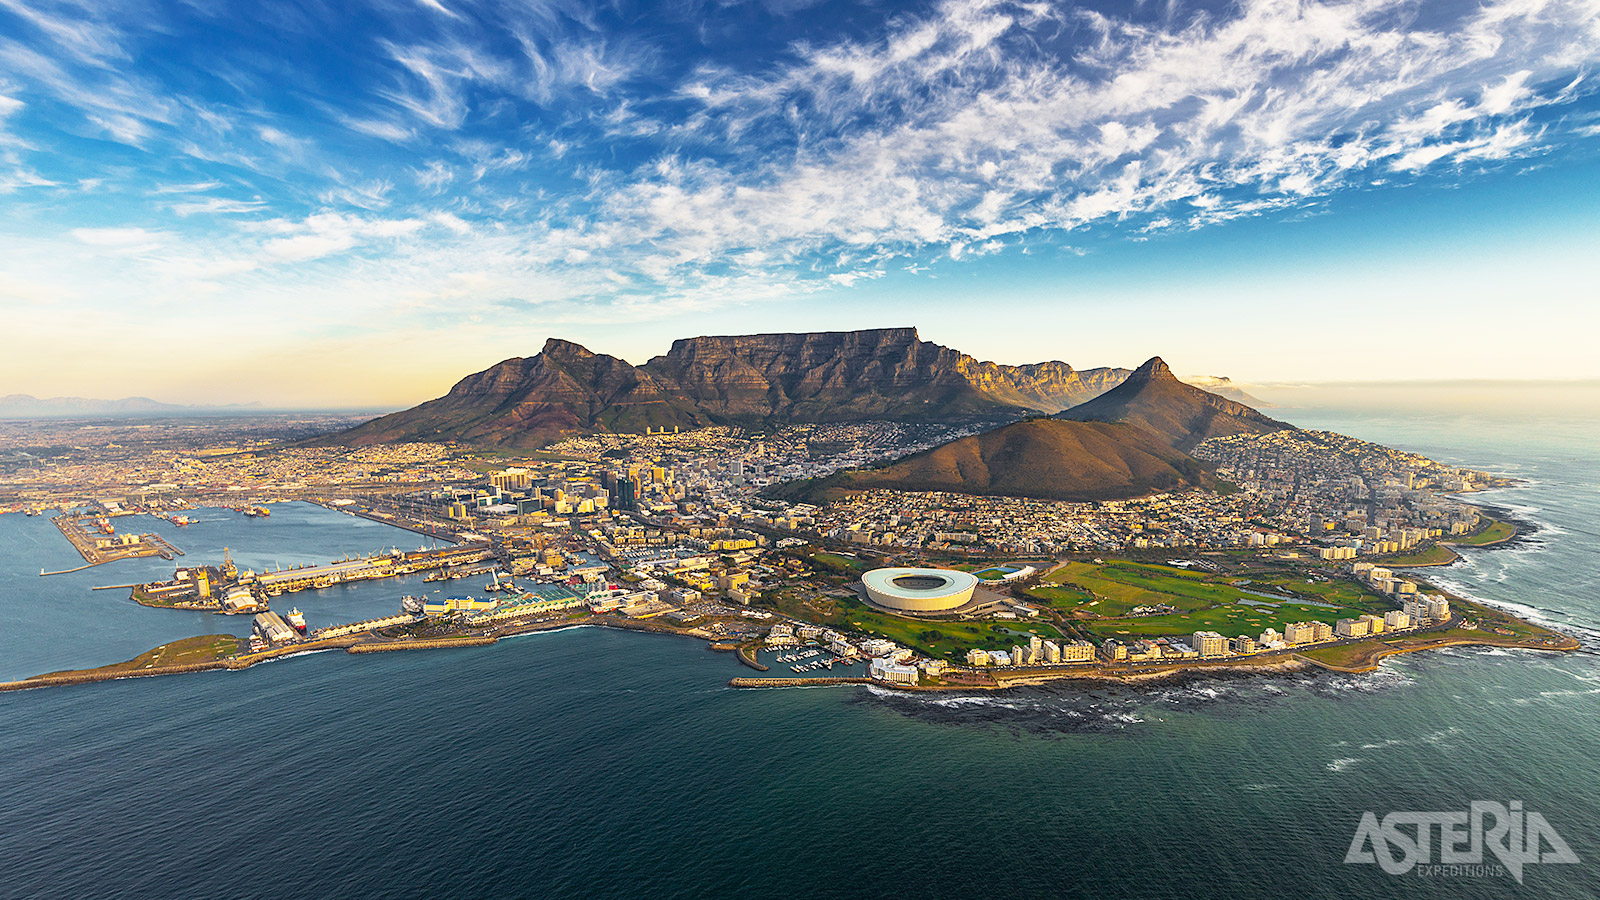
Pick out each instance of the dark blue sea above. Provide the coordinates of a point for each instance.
(591, 763)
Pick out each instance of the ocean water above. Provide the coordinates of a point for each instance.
(592, 763)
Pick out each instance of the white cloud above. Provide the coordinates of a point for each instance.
(217, 206)
(956, 133)
(388, 131)
(115, 237)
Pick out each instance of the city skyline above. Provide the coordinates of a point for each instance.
(359, 206)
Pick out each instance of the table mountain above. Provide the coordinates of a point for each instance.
(841, 376)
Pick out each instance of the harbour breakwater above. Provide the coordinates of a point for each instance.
(437, 644)
(92, 676)
(797, 682)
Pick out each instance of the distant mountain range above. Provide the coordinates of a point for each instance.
(1129, 441)
(836, 376)
(1223, 386)
(25, 406)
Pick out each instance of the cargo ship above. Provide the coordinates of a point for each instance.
(296, 620)
(258, 512)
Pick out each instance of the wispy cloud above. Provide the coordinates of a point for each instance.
(561, 155)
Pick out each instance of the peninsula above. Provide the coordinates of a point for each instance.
(1148, 530)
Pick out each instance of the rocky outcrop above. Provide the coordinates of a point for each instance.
(886, 373)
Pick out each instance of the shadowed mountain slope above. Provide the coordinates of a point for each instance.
(1041, 458)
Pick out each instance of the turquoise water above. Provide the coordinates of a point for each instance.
(595, 763)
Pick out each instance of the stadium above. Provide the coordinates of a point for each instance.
(918, 591)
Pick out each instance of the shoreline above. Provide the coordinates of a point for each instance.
(1376, 658)
(1521, 527)
(1289, 661)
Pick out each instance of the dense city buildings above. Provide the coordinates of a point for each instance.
(676, 528)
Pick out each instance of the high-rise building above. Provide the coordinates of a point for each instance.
(1353, 627)
(1299, 633)
(1077, 651)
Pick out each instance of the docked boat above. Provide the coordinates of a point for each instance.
(296, 620)
(257, 512)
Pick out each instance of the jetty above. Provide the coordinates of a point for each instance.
(797, 682)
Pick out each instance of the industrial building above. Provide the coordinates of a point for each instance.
(271, 627)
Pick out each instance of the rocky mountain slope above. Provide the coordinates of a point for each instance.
(1040, 457)
(1153, 399)
(1130, 441)
(842, 376)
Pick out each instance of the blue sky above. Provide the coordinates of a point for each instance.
(342, 203)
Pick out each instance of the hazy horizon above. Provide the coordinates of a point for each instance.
(1499, 397)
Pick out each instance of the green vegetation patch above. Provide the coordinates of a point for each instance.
(1496, 532)
(1231, 620)
(940, 639)
(189, 651)
(1349, 656)
(1436, 555)
(1116, 587)
(1060, 597)
(842, 564)
(1106, 592)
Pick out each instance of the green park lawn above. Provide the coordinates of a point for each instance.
(842, 564)
(1435, 555)
(942, 640)
(188, 651)
(1496, 532)
(1205, 601)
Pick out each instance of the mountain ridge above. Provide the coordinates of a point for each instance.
(27, 406)
(1155, 400)
(1041, 458)
(1131, 440)
(761, 379)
